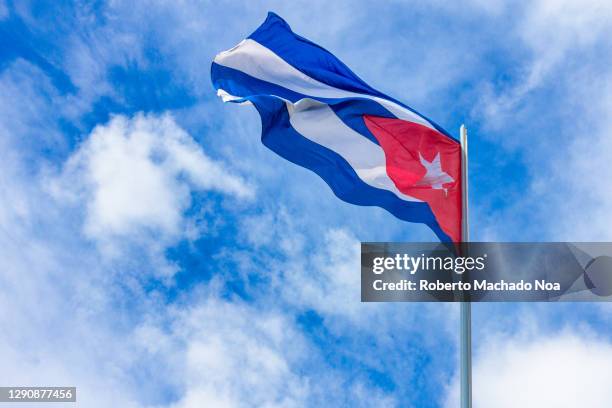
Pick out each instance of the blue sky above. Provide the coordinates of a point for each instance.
(152, 248)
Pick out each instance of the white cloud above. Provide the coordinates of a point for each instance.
(137, 175)
(583, 198)
(4, 11)
(322, 275)
(54, 296)
(555, 370)
(548, 115)
(234, 355)
(29, 103)
(330, 283)
(550, 30)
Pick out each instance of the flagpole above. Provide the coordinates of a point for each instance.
(466, 307)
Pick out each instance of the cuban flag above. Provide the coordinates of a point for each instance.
(370, 149)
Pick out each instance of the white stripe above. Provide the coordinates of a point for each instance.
(226, 97)
(260, 62)
(318, 122)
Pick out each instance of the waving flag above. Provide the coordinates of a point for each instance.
(369, 148)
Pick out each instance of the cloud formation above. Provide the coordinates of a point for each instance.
(561, 369)
(136, 176)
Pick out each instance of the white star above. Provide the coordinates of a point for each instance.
(434, 176)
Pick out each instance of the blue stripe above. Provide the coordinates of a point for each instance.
(315, 61)
(308, 57)
(349, 110)
(279, 136)
(351, 113)
(238, 83)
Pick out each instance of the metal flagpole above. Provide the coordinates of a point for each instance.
(466, 307)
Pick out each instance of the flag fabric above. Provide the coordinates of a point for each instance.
(371, 149)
